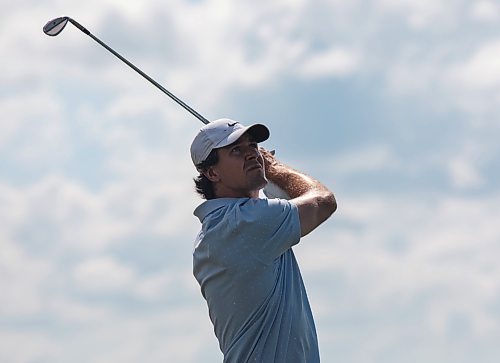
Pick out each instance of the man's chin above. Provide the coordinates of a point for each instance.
(260, 183)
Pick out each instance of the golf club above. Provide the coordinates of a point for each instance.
(55, 26)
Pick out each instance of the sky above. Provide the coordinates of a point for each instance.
(392, 104)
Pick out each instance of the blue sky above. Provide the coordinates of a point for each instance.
(392, 104)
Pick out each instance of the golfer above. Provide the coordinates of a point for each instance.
(243, 257)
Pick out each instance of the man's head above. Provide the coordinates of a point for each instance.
(227, 156)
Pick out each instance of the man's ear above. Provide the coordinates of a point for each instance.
(212, 174)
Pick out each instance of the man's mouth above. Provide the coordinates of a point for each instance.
(253, 167)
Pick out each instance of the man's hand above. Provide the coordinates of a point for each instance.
(270, 162)
(271, 190)
(314, 201)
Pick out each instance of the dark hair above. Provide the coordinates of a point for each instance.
(203, 185)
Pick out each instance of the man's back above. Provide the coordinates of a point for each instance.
(249, 276)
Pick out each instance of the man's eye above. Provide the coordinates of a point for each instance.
(235, 149)
(254, 145)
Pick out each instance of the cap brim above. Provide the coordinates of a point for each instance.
(259, 132)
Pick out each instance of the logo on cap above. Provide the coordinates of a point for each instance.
(231, 125)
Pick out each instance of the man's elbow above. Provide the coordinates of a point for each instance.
(313, 212)
(329, 204)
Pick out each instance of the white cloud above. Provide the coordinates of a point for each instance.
(79, 216)
(413, 76)
(103, 274)
(366, 159)
(32, 128)
(418, 14)
(395, 251)
(181, 333)
(73, 311)
(154, 287)
(65, 215)
(485, 11)
(335, 62)
(23, 280)
(465, 175)
(448, 78)
(14, 346)
(479, 71)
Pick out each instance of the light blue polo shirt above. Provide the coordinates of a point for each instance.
(251, 281)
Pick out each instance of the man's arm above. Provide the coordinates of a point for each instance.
(314, 201)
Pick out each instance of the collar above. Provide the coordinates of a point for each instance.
(209, 206)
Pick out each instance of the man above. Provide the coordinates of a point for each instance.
(243, 258)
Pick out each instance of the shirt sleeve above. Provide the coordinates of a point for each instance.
(270, 226)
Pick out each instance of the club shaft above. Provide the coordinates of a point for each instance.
(159, 86)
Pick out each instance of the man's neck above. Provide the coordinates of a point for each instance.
(223, 192)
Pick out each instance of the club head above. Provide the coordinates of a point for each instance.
(55, 26)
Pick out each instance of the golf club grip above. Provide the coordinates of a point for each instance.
(273, 191)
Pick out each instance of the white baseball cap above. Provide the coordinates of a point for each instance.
(220, 133)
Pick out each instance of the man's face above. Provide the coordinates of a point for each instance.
(240, 170)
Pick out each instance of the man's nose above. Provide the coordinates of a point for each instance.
(251, 153)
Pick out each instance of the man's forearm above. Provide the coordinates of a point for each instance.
(315, 202)
(293, 182)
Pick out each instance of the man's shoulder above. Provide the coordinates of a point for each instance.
(210, 206)
(248, 205)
